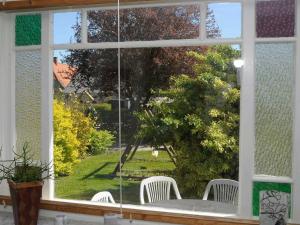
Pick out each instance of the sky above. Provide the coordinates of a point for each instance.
(227, 16)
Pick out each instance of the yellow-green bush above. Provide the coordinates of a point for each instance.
(72, 130)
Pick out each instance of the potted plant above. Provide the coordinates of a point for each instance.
(25, 178)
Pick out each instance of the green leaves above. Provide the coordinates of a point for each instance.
(23, 168)
(198, 115)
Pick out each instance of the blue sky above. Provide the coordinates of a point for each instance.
(227, 15)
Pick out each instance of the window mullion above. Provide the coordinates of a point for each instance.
(247, 112)
(203, 12)
(296, 133)
(84, 38)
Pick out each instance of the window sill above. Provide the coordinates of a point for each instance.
(138, 212)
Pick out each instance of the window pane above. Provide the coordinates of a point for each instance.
(145, 24)
(275, 18)
(28, 30)
(160, 23)
(28, 100)
(274, 108)
(226, 19)
(67, 27)
(267, 186)
(145, 71)
(86, 123)
(173, 118)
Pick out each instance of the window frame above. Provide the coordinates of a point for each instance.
(247, 126)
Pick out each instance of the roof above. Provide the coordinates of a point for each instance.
(63, 73)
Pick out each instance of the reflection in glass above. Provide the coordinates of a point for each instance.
(275, 18)
(28, 100)
(227, 18)
(66, 27)
(274, 108)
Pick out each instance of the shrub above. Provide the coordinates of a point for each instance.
(72, 131)
(100, 141)
(84, 126)
(66, 144)
(199, 117)
(102, 106)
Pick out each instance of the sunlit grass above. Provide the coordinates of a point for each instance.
(93, 174)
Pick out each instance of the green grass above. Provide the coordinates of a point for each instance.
(93, 174)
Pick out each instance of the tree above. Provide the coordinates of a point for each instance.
(199, 117)
(142, 69)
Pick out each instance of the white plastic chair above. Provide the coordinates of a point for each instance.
(103, 196)
(224, 190)
(158, 188)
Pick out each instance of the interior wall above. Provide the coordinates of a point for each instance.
(6, 114)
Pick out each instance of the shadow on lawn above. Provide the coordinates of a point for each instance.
(97, 170)
(131, 192)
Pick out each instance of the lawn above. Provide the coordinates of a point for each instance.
(93, 174)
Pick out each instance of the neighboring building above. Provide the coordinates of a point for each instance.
(62, 75)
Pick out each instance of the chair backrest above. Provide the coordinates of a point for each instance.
(158, 188)
(103, 196)
(224, 190)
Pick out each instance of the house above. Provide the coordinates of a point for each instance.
(62, 75)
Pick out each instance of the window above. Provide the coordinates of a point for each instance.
(170, 90)
(170, 109)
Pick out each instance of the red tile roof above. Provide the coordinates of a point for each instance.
(63, 73)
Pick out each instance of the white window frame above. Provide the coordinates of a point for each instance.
(247, 109)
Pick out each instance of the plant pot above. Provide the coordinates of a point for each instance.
(26, 201)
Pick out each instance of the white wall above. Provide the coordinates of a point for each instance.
(5, 91)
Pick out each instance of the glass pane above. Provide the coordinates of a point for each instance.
(226, 18)
(160, 23)
(145, 24)
(274, 108)
(173, 122)
(67, 27)
(28, 100)
(86, 123)
(275, 18)
(267, 186)
(28, 30)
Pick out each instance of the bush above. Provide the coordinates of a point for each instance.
(199, 117)
(101, 141)
(102, 106)
(72, 132)
(66, 144)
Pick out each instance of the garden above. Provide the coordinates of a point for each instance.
(191, 122)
